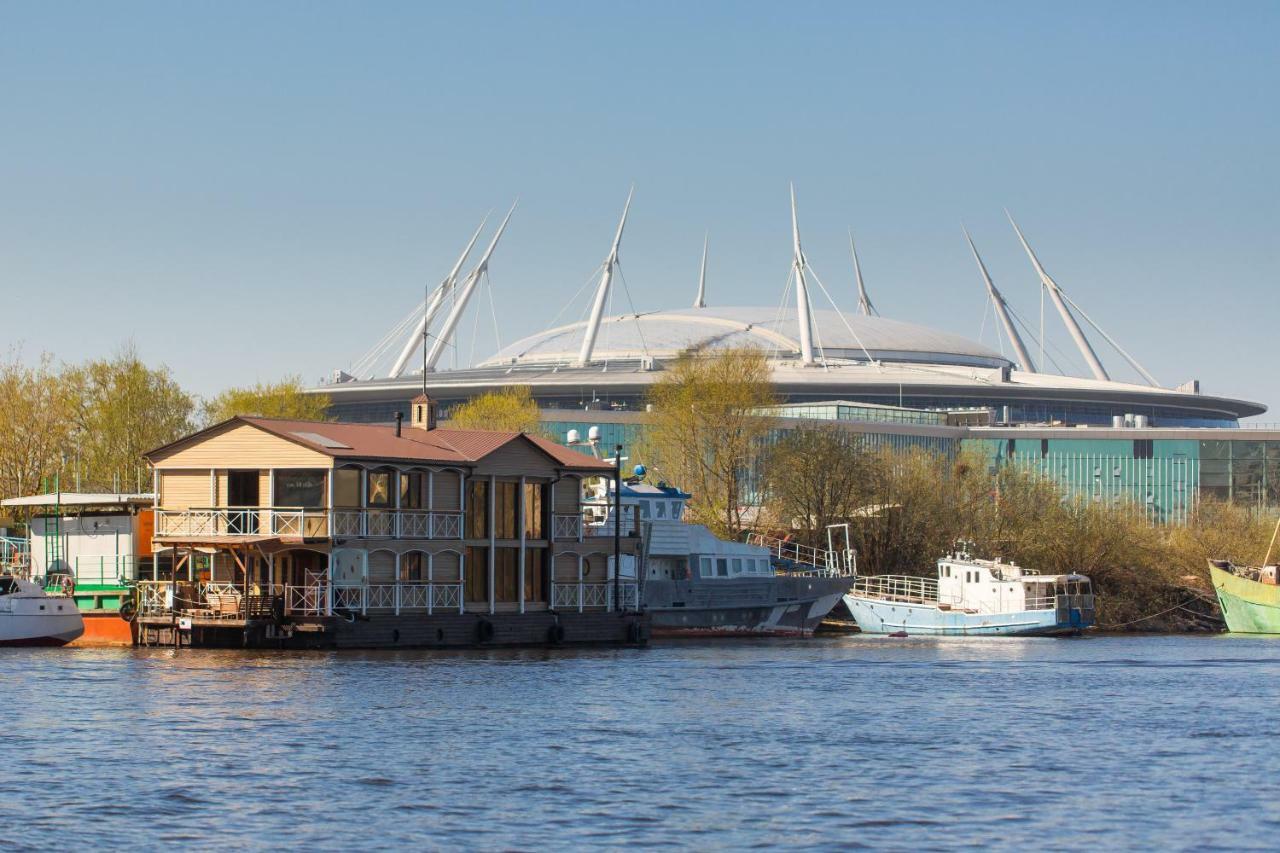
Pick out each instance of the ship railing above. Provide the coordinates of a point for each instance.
(796, 558)
(593, 596)
(903, 588)
(413, 596)
(308, 600)
(597, 519)
(14, 551)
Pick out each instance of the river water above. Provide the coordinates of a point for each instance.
(830, 742)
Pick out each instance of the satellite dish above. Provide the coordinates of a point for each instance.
(593, 434)
(574, 436)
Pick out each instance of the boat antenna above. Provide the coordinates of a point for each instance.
(701, 301)
(1002, 309)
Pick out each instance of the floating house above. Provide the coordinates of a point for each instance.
(306, 534)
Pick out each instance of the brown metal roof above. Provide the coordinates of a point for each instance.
(372, 441)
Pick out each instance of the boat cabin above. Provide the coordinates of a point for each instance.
(994, 586)
(677, 550)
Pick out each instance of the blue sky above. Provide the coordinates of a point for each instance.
(248, 190)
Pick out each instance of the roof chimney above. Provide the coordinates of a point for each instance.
(422, 413)
(399, 421)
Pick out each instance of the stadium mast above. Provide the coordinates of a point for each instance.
(1055, 293)
(1002, 310)
(798, 265)
(602, 291)
(701, 301)
(865, 308)
(464, 295)
(433, 306)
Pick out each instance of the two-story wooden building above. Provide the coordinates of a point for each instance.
(302, 533)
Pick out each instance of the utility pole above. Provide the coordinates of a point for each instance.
(617, 527)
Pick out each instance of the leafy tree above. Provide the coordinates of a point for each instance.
(708, 431)
(509, 409)
(817, 475)
(37, 426)
(284, 399)
(121, 408)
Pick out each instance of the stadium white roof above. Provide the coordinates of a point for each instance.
(664, 334)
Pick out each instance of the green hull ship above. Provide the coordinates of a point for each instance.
(1249, 597)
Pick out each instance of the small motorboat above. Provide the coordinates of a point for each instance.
(972, 597)
(30, 616)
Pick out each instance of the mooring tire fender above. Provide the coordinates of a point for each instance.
(484, 630)
(555, 634)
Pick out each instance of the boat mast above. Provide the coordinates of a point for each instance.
(468, 286)
(1055, 294)
(802, 291)
(865, 308)
(602, 291)
(1002, 310)
(432, 306)
(701, 301)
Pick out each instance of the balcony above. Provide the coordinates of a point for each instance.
(307, 523)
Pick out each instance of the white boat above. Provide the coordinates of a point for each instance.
(972, 597)
(29, 616)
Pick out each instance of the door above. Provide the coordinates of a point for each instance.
(242, 491)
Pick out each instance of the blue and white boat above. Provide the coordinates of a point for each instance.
(972, 597)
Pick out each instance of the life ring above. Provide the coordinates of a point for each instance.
(555, 634)
(484, 630)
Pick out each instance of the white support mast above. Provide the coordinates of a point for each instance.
(798, 265)
(1055, 293)
(464, 295)
(433, 306)
(701, 301)
(602, 291)
(865, 308)
(1002, 311)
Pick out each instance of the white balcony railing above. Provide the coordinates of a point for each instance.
(567, 526)
(592, 596)
(400, 597)
(222, 522)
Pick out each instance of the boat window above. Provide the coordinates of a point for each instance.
(644, 509)
(722, 567)
(704, 567)
(677, 509)
(737, 565)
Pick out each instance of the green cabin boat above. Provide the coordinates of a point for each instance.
(1249, 597)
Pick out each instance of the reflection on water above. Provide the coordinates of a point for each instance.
(934, 742)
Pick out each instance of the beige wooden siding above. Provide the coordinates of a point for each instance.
(243, 446)
(184, 489)
(382, 567)
(444, 491)
(566, 568)
(516, 458)
(595, 568)
(568, 491)
(264, 488)
(444, 567)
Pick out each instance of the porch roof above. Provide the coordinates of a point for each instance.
(264, 543)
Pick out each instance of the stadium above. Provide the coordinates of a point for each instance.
(896, 382)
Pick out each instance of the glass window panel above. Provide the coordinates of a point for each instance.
(380, 485)
(534, 510)
(299, 488)
(346, 487)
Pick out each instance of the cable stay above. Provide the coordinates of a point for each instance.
(1151, 380)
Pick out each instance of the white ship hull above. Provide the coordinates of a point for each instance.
(876, 616)
(29, 617)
